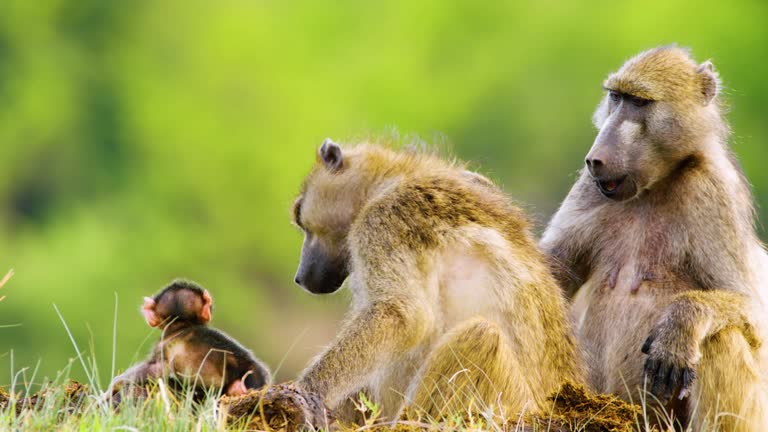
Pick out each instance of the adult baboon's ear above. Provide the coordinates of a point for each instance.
(330, 154)
(710, 82)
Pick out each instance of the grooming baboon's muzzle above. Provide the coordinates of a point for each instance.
(606, 169)
(617, 189)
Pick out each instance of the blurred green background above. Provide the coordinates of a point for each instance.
(144, 140)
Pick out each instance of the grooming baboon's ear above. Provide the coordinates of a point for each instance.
(709, 81)
(330, 154)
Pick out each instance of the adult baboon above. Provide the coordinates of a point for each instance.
(656, 245)
(453, 304)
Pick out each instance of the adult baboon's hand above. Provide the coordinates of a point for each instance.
(673, 353)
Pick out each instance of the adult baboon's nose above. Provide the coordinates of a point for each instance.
(595, 166)
(297, 279)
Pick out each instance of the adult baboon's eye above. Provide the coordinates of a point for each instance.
(640, 102)
(615, 96)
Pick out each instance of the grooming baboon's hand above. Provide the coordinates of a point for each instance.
(673, 354)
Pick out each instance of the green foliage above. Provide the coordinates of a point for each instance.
(142, 141)
(369, 410)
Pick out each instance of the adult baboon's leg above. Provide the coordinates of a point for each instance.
(473, 368)
(731, 389)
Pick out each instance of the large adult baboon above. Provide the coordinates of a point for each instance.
(656, 244)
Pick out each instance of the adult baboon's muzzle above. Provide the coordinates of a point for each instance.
(320, 274)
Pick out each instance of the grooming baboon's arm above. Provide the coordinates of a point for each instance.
(569, 268)
(364, 344)
(674, 345)
(566, 242)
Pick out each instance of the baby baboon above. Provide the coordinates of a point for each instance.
(453, 304)
(189, 350)
(656, 244)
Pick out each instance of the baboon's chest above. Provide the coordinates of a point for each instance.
(636, 273)
(612, 322)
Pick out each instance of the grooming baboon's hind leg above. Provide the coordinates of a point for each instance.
(350, 412)
(473, 366)
(731, 391)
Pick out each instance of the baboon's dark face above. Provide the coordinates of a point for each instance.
(331, 198)
(657, 111)
(323, 267)
(324, 220)
(635, 146)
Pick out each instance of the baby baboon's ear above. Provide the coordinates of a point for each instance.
(330, 154)
(205, 313)
(150, 314)
(710, 83)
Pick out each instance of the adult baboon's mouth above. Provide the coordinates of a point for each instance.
(610, 187)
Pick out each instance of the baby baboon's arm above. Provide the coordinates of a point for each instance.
(674, 345)
(138, 374)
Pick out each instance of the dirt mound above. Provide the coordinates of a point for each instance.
(571, 408)
(287, 407)
(4, 398)
(574, 408)
(74, 396)
(277, 407)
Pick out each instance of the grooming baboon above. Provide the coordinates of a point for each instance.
(453, 304)
(656, 245)
(189, 350)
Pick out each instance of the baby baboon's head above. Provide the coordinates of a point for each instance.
(656, 109)
(180, 301)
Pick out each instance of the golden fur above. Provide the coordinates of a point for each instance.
(453, 304)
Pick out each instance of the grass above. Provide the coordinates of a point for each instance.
(64, 405)
(60, 408)
(68, 407)
(5, 280)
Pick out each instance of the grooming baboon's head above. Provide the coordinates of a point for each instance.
(656, 109)
(330, 199)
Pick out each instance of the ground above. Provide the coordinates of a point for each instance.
(73, 406)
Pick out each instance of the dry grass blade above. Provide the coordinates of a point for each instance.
(4, 280)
